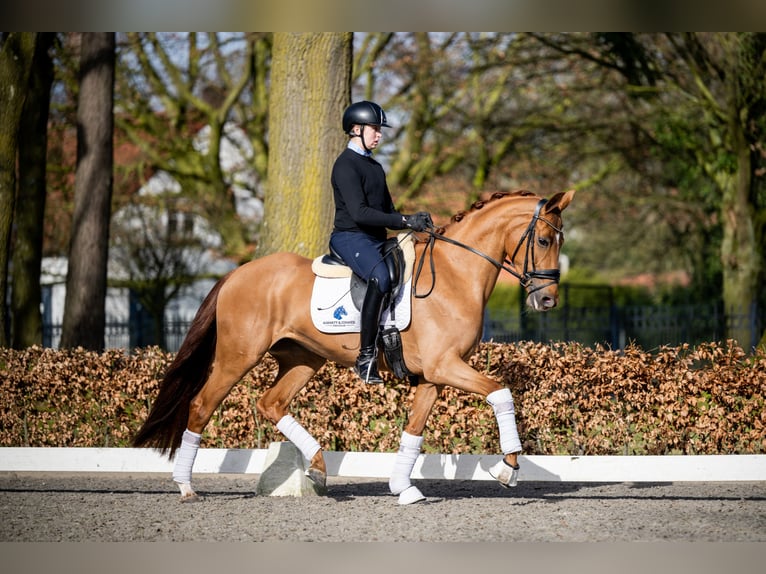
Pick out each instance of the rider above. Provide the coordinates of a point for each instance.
(363, 211)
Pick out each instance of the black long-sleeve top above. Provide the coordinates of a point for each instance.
(362, 200)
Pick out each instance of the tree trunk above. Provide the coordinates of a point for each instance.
(84, 309)
(16, 54)
(742, 243)
(26, 292)
(740, 249)
(310, 87)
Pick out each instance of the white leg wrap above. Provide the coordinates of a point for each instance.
(504, 473)
(502, 404)
(299, 436)
(409, 449)
(185, 455)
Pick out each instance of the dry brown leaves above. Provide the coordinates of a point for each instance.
(569, 400)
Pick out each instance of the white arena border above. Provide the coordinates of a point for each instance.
(665, 468)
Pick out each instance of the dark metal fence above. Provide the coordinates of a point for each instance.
(646, 326)
(128, 335)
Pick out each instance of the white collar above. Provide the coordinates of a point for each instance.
(359, 150)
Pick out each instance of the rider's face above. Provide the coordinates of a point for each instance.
(371, 135)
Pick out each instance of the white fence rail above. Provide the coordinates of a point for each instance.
(668, 468)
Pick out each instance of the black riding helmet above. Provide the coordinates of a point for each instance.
(364, 113)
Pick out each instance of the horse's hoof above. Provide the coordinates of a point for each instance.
(187, 493)
(410, 495)
(505, 474)
(319, 478)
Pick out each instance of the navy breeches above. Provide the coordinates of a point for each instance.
(364, 254)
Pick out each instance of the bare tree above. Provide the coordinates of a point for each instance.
(171, 87)
(84, 312)
(16, 55)
(26, 293)
(695, 103)
(724, 78)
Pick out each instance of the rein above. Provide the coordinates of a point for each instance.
(525, 277)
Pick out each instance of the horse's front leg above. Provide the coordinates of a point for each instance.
(411, 443)
(506, 471)
(460, 375)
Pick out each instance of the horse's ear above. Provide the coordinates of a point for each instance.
(559, 201)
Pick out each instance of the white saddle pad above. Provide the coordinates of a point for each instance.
(333, 311)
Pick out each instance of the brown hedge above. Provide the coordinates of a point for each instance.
(569, 399)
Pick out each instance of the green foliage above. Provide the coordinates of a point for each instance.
(504, 297)
(584, 288)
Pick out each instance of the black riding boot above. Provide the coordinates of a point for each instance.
(367, 361)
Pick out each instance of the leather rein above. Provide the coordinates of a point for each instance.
(526, 275)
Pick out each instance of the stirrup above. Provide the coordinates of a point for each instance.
(505, 474)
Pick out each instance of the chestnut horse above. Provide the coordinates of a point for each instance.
(263, 307)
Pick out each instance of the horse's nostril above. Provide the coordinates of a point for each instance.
(549, 302)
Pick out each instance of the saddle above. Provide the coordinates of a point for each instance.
(399, 260)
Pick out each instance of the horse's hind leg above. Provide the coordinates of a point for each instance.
(226, 372)
(296, 367)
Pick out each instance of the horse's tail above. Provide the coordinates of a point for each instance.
(183, 379)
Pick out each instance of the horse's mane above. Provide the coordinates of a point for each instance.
(478, 204)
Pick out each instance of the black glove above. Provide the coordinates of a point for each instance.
(419, 221)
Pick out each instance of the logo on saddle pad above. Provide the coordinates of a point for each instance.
(339, 313)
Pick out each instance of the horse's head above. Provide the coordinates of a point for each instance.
(534, 255)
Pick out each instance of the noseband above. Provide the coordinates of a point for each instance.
(525, 276)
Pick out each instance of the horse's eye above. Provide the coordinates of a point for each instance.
(543, 242)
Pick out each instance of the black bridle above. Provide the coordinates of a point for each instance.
(526, 275)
